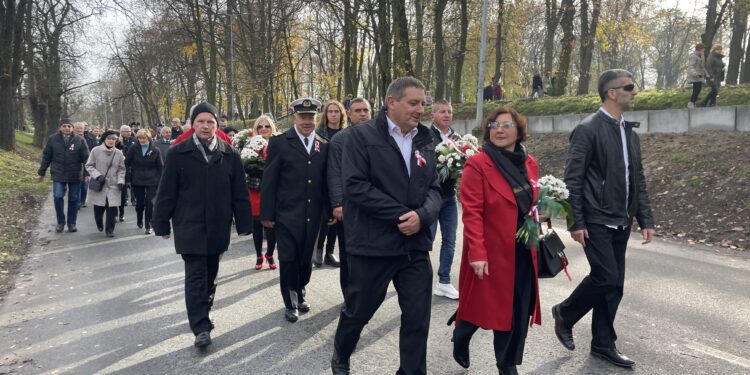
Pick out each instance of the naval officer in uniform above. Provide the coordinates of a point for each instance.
(293, 194)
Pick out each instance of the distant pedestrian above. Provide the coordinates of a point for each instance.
(201, 191)
(537, 87)
(696, 73)
(497, 92)
(223, 122)
(65, 153)
(347, 101)
(604, 175)
(164, 142)
(125, 142)
(144, 166)
(715, 69)
(176, 128)
(487, 93)
(106, 163)
(79, 128)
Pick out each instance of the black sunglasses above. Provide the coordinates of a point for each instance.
(629, 87)
(264, 127)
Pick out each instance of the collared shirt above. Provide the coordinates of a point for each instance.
(444, 136)
(404, 142)
(624, 154)
(310, 139)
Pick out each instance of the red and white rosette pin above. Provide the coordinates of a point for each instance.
(317, 146)
(420, 159)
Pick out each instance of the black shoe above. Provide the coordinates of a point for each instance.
(339, 366)
(59, 228)
(318, 258)
(149, 231)
(72, 228)
(140, 224)
(303, 307)
(508, 369)
(121, 218)
(460, 351)
(203, 339)
(563, 332)
(613, 356)
(332, 261)
(110, 234)
(100, 228)
(291, 315)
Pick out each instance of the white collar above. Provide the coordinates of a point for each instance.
(622, 118)
(393, 128)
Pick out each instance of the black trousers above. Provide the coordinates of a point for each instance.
(344, 269)
(600, 291)
(710, 99)
(258, 231)
(368, 282)
(293, 278)
(124, 197)
(327, 236)
(697, 86)
(144, 201)
(99, 211)
(200, 288)
(509, 345)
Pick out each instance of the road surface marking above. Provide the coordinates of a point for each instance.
(731, 358)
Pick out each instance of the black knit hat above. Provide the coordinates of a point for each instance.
(65, 121)
(203, 107)
(106, 134)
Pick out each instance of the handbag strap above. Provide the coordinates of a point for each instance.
(549, 226)
(114, 152)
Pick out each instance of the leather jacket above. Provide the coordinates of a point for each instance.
(595, 175)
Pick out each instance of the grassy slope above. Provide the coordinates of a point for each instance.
(20, 195)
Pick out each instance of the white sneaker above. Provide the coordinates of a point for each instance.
(446, 290)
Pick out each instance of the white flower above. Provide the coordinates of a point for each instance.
(470, 152)
(441, 158)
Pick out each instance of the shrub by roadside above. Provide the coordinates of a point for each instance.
(20, 198)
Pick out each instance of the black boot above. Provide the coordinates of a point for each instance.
(318, 258)
(506, 369)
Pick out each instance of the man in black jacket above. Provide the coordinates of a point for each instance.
(607, 189)
(442, 117)
(358, 113)
(66, 153)
(292, 196)
(79, 128)
(391, 197)
(201, 190)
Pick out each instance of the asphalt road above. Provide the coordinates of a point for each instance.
(88, 304)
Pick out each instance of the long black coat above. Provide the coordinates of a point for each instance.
(65, 162)
(143, 170)
(201, 199)
(294, 193)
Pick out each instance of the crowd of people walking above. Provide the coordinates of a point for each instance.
(369, 182)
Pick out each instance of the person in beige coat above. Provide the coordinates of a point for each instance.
(107, 162)
(696, 73)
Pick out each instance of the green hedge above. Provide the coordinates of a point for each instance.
(646, 100)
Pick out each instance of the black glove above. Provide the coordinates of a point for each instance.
(121, 186)
(100, 178)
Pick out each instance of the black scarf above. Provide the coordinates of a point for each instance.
(512, 165)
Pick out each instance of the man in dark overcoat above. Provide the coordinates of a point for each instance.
(391, 198)
(292, 196)
(202, 189)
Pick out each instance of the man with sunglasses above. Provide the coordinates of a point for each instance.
(607, 189)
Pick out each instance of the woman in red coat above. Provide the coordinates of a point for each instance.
(264, 127)
(498, 277)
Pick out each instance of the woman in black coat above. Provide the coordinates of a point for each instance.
(143, 163)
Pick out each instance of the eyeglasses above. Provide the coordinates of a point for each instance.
(629, 87)
(112, 137)
(264, 127)
(496, 125)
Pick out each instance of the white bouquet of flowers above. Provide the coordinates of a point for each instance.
(252, 153)
(452, 155)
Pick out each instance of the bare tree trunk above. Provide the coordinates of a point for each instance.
(551, 18)
(384, 51)
(714, 20)
(461, 53)
(419, 19)
(588, 34)
(745, 77)
(739, 28)
(499, 41)
(11, 48)
(401, 55)
(440, 71)
(566, 44)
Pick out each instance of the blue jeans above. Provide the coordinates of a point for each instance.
(448, 219)
(84, 193)
(58, 192)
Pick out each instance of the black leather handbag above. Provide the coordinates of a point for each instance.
(97, 184)
(552, 257)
